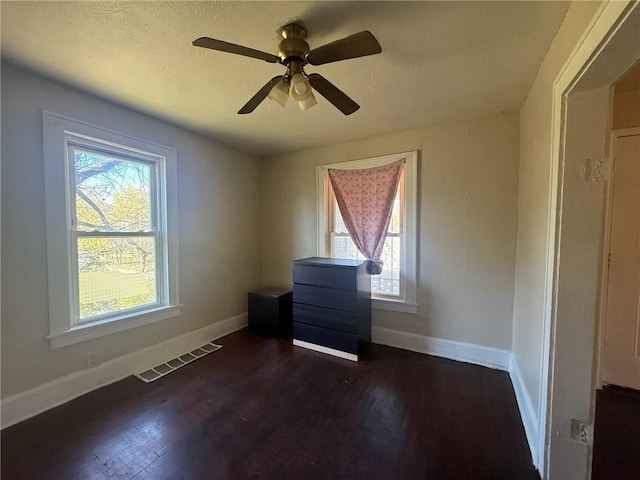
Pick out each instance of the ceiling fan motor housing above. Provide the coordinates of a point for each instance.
(293, 45)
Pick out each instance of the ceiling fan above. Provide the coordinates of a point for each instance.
(294, 54)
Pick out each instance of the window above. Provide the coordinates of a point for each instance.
(394, 289)
(387, 284)
(116, 240)
(111, 217)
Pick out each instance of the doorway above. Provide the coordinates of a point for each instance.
(620, 327)
(620, 338)
(580, 164)
(616, 446)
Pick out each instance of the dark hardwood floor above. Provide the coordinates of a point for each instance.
(261, 409)
(616, 441)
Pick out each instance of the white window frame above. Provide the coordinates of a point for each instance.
(59, 132)
(408, 266)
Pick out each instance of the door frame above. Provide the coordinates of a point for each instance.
(606, 246)
(604, 26)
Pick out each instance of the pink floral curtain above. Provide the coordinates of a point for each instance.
(365, 198)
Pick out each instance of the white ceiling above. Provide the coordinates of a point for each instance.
(440, 61)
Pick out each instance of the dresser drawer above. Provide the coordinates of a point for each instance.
(344, 342)
(326, 297)
(342, 278)
(322, 317)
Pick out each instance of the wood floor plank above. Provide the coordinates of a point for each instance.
(616, 442)
(262, 409)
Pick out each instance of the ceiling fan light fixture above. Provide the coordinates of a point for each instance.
(300, 88)
(301, 91)
(308, 102)
(280, 92)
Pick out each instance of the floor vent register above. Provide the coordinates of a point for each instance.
(172, 365)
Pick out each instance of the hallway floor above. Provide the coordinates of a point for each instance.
(616, 443)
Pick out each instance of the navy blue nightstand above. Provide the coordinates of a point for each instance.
(270, 312)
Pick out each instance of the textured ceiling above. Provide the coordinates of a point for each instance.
(440, 61)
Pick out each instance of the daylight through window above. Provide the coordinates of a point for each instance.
(115, 233)
(112, 230)
(395, 288)
(388, 282)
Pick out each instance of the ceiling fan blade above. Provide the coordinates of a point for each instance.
(213, 44)
(251, 105)
(332, 93)
(354, 46)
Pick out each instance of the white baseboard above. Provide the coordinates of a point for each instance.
(527, 413)
(23, 405)
(464, 352)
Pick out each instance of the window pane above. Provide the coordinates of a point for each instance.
(338, 223)
(112, 194)
(115, 274)
(343, 247)
(388, 282)
(394, 224)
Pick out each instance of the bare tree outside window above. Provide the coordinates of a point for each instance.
(114, 224)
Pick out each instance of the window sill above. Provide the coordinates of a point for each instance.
(88, 331)
(394, 305)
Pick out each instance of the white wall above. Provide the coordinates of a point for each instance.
(467, 223)
(533, 203)
(219, 230)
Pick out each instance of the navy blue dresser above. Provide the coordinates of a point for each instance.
(332, 306)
